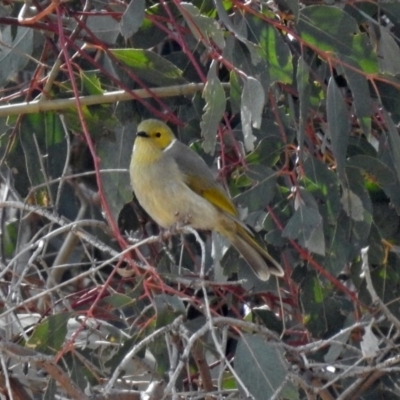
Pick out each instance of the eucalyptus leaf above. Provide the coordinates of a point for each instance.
(262, 368)
(214, 95)
(253, 100)
(132, 18)
(339, 126)
(116, 154)
(388, 53)
(202, 26)
(150, 66)
(328, 28)
(49, 336)
(306, 226)
(303, 87)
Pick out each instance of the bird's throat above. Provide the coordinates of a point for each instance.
(144, 152)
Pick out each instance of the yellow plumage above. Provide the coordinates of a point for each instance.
(174, 185)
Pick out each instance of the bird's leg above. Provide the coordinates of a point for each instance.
(177, 227)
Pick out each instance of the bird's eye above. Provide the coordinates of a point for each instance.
(158, 134)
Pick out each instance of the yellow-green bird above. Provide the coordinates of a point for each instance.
(175, 186)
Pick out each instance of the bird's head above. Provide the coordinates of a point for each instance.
(155, 133)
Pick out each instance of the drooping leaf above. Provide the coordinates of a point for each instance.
(392, 190)
(272, 49)
(390, 97)
(253, 99)
(132, 18)
(339, 125)
(394, 141)
(388, 53)
(115, 154)
(214, 96)
(263, 191)
(303, 87)
(202, 26)
(104, 27)
(43, 134)
(362, 99)
(234, 92)
(306, 227)
(262, 368)
(352, 205)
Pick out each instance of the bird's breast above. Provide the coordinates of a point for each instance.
(161, 190)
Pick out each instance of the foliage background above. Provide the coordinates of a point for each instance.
(297, 104)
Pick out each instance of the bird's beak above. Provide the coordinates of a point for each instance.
(142, 134)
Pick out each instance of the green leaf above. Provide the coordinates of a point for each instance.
(49, 336)
(202, 26)
(363, 54)
(304, 90)
(43, 141)
(253, 100)
(339, 126)
(356, 218)
(306, 227)
(214, 95)
(104, 27)
(393, 190)
(273, 50)
(150, 66)
(323, 311)
(381, 172)
(91, 82)
(234, 92)
(132, 18)
(327, 28)
(362, 99)
(262, 368)
(116, 154)
(324, 185)
(386, 281)
(99, 119)
(352, 205)
(268, 150)
(150, 34)
(388, 53)
(262, 193)
(118, 300)
(168, 308)
(394, 140)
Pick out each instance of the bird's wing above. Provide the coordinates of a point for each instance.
(200, 179)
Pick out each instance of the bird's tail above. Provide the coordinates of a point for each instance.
(255, 255)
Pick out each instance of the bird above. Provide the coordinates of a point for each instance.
(175, 187)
